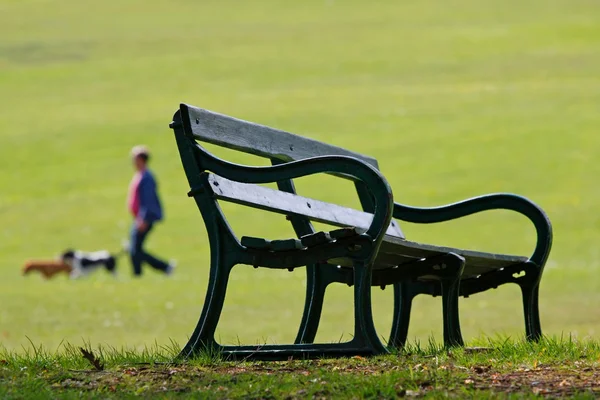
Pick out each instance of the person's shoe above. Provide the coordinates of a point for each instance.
(171, 267)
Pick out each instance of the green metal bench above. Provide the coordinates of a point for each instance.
(368, 249)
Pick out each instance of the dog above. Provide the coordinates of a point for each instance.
(48, 268)
(75, 263)
(84, 263)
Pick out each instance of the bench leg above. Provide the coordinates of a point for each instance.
(364, 343)
(365, 334)
(223, 249)
(450, 294)
(203, 337)
(533, 327)
(316, 285)
(403, 297)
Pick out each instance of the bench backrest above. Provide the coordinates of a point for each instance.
(278, 146)
(260, 140)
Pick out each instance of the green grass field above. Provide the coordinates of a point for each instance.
(454, 99)
(507, 370)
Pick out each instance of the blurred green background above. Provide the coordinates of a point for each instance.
(455, 99)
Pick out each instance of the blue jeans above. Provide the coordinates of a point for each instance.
(139, 256)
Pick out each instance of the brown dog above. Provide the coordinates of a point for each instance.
(48, 268)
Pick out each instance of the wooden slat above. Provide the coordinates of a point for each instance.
(346, 232)
(395, 251)
(397, 259)
(286, 245)
(315, 239)
(290, 204)
(256, 243)
(385, 260)
(259, 140)
(476, 261)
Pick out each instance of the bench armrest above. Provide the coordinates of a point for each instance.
(499, 201)
(344, 165)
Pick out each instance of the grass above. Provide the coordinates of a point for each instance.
(453, 101)
(500, 369)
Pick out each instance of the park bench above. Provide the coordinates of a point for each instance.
(363, 249)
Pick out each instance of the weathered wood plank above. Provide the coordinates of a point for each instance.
(346, 232)
(473, 266)
(476, 260)
(315, 239)
(259, 140)
(286, 245)
(255, 243)
(290, 204)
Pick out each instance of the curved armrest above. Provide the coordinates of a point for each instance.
(499, 201)
(350, 166)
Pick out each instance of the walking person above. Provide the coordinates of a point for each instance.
(144, 205)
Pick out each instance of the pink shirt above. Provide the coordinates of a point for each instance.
(133, 197)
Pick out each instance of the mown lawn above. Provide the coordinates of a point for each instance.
(500, 369)
(453, 99)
